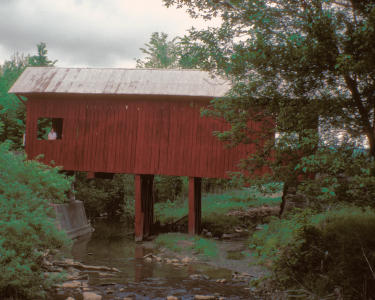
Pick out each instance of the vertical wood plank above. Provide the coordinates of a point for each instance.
(164, 138)
(147, 140)
(139, 145)
(195, 158)
(89, 134)
(123, 133)
(156, 136)
(116, 138)
(134, 131)
(172, 140)
(183, 139)
(204, 147)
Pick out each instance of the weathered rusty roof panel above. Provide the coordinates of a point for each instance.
(119, 81)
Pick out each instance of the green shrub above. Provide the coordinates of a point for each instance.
(278, 234)
(27, 227)
(179, 242)
(322, 253)
(167, 188)
(113, 197)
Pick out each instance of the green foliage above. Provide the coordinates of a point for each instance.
(21, 178)
(111, 197)
(275, 236)
(162, 53)
(41, 59)
(321, 253)
(343, 175)
(306, 67)
(167, 188)
(27, 226)
(179, 242)
(12, 110)
(205, 247)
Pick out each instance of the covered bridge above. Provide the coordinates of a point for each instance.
(134, 121)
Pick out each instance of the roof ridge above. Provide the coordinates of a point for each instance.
(113, 68)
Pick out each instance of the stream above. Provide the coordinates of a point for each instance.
(113, 246)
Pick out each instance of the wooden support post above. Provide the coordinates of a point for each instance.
(195, 195)
(144, 206)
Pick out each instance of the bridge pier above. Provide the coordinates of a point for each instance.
(195, 207)
(144, 206)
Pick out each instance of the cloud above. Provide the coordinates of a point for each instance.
(87, 32)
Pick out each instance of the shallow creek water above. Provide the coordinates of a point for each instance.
(113, 246)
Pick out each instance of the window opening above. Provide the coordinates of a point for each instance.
(50, 128)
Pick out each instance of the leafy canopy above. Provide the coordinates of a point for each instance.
(162, 53)
(12, 110)
(308, 65)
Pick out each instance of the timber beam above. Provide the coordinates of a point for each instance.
(144, 206)
(195, 206)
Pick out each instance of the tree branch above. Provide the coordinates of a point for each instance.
(342, 3)
(368, 263)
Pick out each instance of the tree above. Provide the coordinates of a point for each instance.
(160, 52)
(12, 110)
(168, 54)
(309, 66)
(41, 58)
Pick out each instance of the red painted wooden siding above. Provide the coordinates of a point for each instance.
(132, 134)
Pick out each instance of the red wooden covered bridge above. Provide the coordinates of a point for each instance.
(134, 121)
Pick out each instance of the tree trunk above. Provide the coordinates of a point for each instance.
(283, 199)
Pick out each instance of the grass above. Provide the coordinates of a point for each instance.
(214, 204)
(179, 242)
(214, 209)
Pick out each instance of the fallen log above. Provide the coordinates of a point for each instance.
(71, 263)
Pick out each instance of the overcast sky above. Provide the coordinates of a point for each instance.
(87, 33)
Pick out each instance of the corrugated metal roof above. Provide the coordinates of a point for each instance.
(119, 81)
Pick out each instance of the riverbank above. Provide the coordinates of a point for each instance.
(217, 264)
(147, 271)
(132, 275)
(222, 213)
